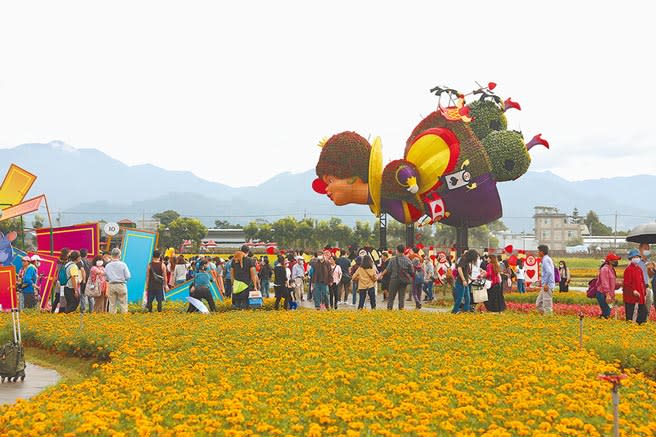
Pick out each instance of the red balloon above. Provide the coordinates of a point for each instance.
(270, 250)
(508, 248)
(319, 186)
(491, 85)
(420, 246)
(512, 260)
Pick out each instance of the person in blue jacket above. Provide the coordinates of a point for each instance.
(28, 277)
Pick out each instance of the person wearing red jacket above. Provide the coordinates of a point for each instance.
(634, 289)
(607, 284)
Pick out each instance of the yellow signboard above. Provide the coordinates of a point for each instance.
(15, 186)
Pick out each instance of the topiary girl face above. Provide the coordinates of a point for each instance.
(343, 169)
(346, 190)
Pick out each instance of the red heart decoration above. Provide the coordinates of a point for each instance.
(438, 209)
(270, 250)
(491, 85)
(508, 248)
(530, 273)
(441, 271)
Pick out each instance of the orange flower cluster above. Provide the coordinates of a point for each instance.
(313, 373)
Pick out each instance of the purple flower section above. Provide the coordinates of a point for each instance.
(405, 173)
(394, 208)
(471, 208)
(468, 208)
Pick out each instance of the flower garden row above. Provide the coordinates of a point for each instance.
(337, 373)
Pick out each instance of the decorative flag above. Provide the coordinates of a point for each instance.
(22, 208)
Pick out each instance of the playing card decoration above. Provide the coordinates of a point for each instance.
(435, 208)
(531, 272)
(457, 180)
(452, 162)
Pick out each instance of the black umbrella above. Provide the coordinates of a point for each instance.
(643, 234)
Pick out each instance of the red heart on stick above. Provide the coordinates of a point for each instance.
(530, 273)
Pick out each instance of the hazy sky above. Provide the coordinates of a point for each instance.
(239, 91)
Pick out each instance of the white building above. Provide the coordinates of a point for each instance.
(519, 241)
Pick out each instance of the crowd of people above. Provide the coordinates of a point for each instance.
(330, 280)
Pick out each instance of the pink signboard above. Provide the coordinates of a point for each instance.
(46, 279)
(76, 237)
(8, 298)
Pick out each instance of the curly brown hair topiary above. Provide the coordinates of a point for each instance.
(345, 155)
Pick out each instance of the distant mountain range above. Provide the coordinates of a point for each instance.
(86, 184)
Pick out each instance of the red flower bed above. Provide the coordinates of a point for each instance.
(569, 309)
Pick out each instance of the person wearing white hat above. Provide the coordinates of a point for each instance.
(28, 277)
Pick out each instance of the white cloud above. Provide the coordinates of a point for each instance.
(239, 91)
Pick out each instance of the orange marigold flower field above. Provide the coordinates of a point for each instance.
(335, 373)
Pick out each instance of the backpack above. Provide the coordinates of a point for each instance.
(592, 288)
(63, 274)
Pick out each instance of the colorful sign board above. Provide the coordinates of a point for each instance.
(531, 269)
(22, 208)
(18, 259)
(8, 298)
(47, 277)
(76, 237)
(137, 251)
(181, 292)
(15, 186)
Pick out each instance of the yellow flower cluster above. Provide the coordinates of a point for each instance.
(334, 373)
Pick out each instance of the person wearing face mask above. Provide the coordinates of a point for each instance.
(634, 289)
(607, 284)
(645, 252)
(36, 262)
(97, 285)
(27, 278)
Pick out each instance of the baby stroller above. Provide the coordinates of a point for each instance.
(12, 355)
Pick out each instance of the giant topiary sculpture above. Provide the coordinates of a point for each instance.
(452, 162)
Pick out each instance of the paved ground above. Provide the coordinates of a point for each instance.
(36, 380)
